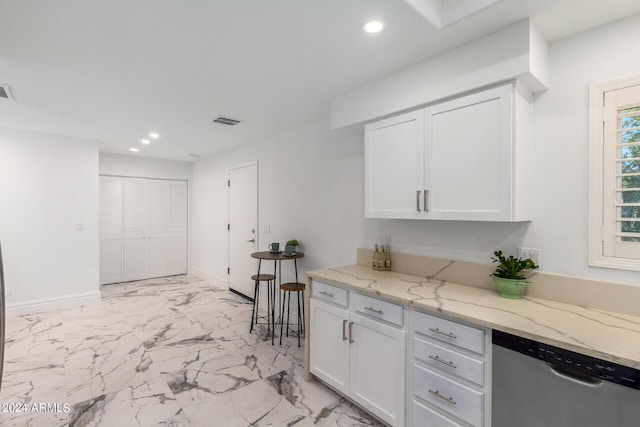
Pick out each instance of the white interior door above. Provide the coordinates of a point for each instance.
(110, 229)
(243, 227)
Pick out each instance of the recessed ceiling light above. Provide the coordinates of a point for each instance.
(154, 135)
(145, 141)
(372, 27)
(135, 150)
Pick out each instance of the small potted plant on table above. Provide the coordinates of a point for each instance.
(290, 247)
(509, 277)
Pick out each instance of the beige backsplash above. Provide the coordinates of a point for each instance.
(609, 296)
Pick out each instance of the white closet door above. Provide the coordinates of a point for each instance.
(177, 227)
(135, 247)
(110, 230)
(156, 228)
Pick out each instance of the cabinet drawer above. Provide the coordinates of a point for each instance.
(449, 332)
(449, 361)
(383, 310)
(330, 293)
(455, 398)
(423, 416)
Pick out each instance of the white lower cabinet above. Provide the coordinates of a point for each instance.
(440, 377)
(361, 357)
(451, 381)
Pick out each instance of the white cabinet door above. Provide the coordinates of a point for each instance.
(469, 158)
(329, 344)
(393, 156)
(377, 376)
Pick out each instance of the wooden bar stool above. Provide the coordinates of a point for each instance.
(257, 278)
(298, 288)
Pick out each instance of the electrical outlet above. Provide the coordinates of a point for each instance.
(532, 253)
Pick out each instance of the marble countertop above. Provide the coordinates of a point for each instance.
(606, 335)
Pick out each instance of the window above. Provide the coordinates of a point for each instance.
(614, 174)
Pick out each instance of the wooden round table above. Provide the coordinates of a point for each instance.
(277, 258)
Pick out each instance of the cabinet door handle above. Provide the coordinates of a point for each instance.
(344, 330)
(328, 294)
(444, 362)
(446, 334)
(436, 393)
(374, 310)
(418, 200)
(426, 201)
(350, 332)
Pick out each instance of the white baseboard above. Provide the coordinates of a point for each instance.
(54, 303)
(216, 281)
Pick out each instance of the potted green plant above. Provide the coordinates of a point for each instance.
(290, 247)
(509, 277)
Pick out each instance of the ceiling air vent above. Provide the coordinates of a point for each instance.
(226, 121)
(5, 92)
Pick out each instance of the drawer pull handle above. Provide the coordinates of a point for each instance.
(446, 334)
(444, 362)
(436, 393)
(344, 330)
(350, 332)
(327, 294)
(374, 310)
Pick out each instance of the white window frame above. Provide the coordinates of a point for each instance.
(602, 194)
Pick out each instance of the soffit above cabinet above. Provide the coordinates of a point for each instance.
(517, 53)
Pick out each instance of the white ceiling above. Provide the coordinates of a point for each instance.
(115, 70)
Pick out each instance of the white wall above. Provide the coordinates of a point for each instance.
(559, 224)
(311, 182)
(310, 188)
(48, 187)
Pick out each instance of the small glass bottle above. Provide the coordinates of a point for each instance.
(374, 260)
(387, 258)
(381, 258)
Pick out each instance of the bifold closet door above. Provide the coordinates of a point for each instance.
(157, 228)
(143, 228)
(177, 227)
(135, 228)
(110, 229)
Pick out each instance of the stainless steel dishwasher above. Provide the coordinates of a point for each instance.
(535, 384)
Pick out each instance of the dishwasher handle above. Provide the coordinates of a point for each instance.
(575, 377)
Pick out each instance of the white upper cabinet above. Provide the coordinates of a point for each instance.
(470, 160)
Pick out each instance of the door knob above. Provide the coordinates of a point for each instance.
(252, 240)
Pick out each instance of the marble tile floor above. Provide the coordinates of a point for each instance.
(174, 351)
